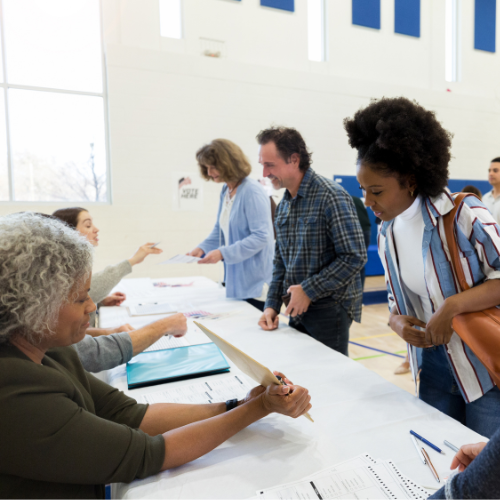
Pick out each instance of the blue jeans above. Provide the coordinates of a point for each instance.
(439, 388)
(326, 321)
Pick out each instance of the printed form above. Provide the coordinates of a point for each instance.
(361, 477)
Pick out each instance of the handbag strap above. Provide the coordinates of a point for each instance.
(449, 231)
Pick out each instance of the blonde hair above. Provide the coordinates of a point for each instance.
(226, 157)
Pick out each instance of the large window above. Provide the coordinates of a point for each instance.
(52, 103)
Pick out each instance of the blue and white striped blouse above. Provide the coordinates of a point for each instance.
(478, 237)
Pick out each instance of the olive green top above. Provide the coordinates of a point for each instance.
(64, 433)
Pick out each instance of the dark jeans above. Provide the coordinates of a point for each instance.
(326, 321)
(259, 304)
(439, 388)
(367, 233)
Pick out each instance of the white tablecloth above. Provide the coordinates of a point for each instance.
(354, 409)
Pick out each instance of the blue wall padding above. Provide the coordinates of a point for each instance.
(366, 13)
(351, 185)
(279, 4)
(485, 12)
(407, 17)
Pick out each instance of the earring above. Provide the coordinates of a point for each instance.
(411, 194)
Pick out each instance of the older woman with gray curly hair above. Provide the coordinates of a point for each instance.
(69, 433)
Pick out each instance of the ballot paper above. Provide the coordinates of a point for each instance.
(148, 309)
(210, 391)
(181, 259)
(360, 477)
(167, 342)
(194, 336)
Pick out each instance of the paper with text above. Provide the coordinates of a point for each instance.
(210, 391)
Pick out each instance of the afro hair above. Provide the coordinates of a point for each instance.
(399, 137)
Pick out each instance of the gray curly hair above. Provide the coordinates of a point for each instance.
(42, 261)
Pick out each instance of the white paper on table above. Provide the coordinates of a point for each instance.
(135, 289)
(371, 481)
(210, 391)
(181, 259)
(194, 336)
(148, 309)
(167, 342)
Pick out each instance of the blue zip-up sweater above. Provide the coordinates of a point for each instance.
(248, 255)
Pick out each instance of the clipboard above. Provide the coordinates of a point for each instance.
(249, 366)
(179, 363)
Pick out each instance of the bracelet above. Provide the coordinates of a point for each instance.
(231, 403)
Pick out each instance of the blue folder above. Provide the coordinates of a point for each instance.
(168, 365)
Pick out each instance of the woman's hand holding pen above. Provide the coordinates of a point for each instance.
(295, 404)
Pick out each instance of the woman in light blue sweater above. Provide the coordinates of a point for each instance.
(243, 233)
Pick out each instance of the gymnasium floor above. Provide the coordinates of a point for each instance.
(375, 345)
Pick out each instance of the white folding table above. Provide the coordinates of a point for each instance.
(355, 410)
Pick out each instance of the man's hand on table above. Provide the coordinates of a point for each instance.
(269, 320)
(299, 301)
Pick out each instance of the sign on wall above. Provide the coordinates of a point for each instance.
(187, 191)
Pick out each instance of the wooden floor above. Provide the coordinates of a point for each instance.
(372, 342)
(373, 335)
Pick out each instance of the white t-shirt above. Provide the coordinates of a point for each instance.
(225, 214)
(493, 205)
(408, 235)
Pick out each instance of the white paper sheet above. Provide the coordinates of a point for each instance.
(167, 342)
(181, 259)
(148, 309)
(194, 336)
(213, 391)
(350, 480)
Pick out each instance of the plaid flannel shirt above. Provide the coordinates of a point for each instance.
(319, 245)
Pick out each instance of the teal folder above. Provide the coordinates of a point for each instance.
(168, 365)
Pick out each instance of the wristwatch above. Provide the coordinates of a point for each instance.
(231, 403)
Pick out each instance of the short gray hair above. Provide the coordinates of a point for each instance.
(41, 262)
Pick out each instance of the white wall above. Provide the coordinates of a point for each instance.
(166, 100)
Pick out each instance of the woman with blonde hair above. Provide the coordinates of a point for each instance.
(243, 233)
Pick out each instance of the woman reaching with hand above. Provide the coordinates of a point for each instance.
(403, 156)
(243, 233)
(104, 281)
(67, 433)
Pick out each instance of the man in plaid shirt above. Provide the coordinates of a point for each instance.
(320, 249)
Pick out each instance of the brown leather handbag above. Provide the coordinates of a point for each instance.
(479, 330)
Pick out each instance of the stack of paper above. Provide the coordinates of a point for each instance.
(359, 477)
(211, 391)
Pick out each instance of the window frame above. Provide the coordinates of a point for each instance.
(104, 95)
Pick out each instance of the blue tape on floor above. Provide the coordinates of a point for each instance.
(378, 350)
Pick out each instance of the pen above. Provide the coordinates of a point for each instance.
(452, 446)
(282, 382)
(429, 463)
(419, 451)
(152, 246)
(433, 446)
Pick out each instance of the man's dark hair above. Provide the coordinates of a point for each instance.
(472, 189)
(400, 138)
(495, 160)
(288, 141)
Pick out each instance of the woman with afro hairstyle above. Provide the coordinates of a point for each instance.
(402, 168)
